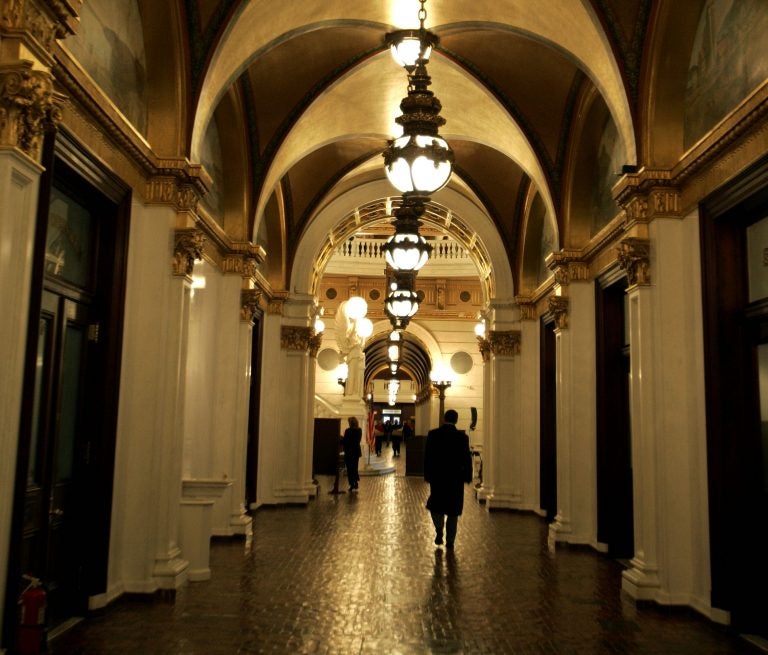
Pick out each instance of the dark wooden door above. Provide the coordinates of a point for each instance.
(67, 432)
(548, 422)
(615, 517)
(53, 519)
(734, 225)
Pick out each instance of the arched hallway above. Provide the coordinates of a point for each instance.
(358, 573)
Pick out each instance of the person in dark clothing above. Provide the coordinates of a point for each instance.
(397, 436)
(447, 468)
(350, 442)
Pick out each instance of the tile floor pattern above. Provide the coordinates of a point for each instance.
(359, 573)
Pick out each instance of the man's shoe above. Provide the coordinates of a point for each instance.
(438, 540)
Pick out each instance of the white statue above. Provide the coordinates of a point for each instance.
(350, 339)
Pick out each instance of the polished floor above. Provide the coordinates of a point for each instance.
(359, 573)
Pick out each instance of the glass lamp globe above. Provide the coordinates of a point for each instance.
(480, 330)
(393, 352)
(406, 251)
(394, 335)
(319, 326)
(393, 368)
(356, 308)
(364, 328)
(417, 163)
(402, 303)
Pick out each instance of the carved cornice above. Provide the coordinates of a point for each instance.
(276, 304)
(635, 258)
(188, 247)
(28, 105)
(527, 308)
(38, 24)
(568, 266)
(249, 304)
(179, 191)
(239, 265)
(485, 348)
(505, 343)
(648, 194)
(558, 307)
(293, 337)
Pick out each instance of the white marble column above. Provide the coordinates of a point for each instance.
(484, 489)
(287, 418)
(505, 457)
(19, 177)
(170, 569)
(576, 519)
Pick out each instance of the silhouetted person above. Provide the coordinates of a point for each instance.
(352, 451)
(447, 468)
(396, 436)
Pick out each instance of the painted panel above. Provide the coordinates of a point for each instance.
(211, 156)
(728, 62)
(109, 44)
(610, 159)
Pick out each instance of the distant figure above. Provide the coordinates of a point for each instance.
(408, 430)
(352, 451)
(447, 468)
(378, 433)
(397, 436)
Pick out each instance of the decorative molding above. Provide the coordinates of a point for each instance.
(558, 307)
(424, 394)
(527, 308)
(635, 258)
(188, 247)
(28, 105)
(239, 265)
(568, 266)
(38, 24)
(275, 306)
(505, 343)
(293, 337)
(249, 304)
(648, 194)
(179, 191)
(485, 348)
(315, 341)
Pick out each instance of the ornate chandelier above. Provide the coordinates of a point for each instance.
(418, 163)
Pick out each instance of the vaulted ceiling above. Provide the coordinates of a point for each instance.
(303, 96)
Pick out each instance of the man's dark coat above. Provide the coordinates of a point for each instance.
(447, 467)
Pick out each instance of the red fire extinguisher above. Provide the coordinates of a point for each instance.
(30, 639)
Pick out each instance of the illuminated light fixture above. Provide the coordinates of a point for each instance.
(409, 46)
(407, 250)
(319, 326)
(402, 302)
(356, 308)
(393, 352)
(480, 329)
(342, 372)
(441, 379)
(364, 327)
(394, 335)
(393, 368)
(419, 162)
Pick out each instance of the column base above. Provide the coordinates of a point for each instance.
(241, 525)
(502, 500)
(170, 572)
(641, 581)
(483, 493)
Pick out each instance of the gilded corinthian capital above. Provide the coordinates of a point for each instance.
(558, 306)
(505, 343)
(249, 303)
(27, 104)
(635, 258)
(293, 337)
(188, 248)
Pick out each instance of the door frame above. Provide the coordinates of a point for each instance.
(738, 538)
(64, 159)
(548, 418)
(615, 502)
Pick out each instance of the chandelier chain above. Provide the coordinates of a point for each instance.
(422, 14)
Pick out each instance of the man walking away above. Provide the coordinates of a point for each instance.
(447, 468)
